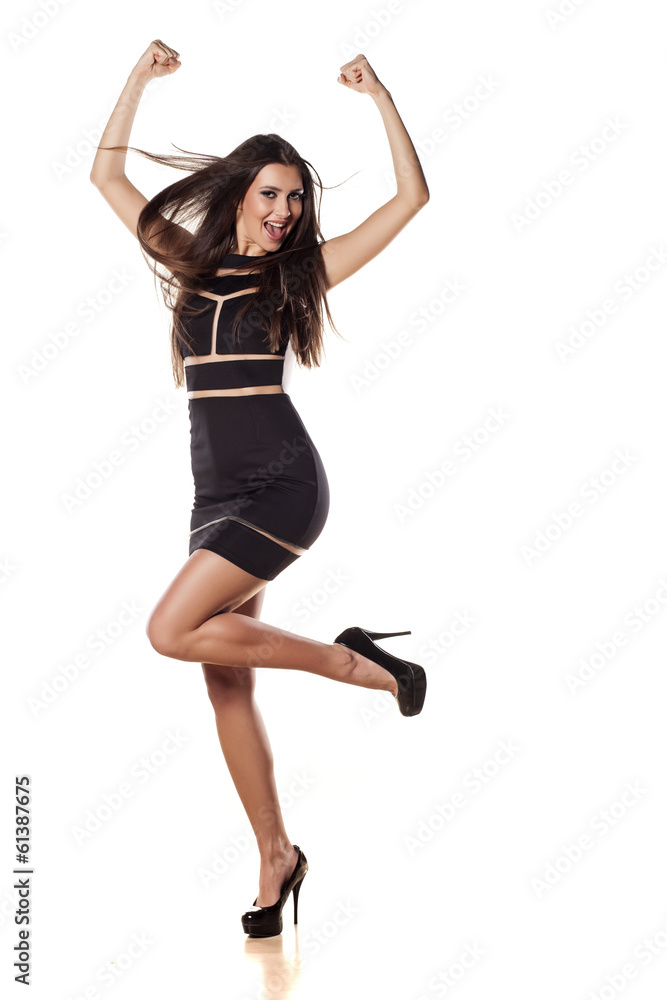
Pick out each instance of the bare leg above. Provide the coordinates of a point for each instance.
(186, 625)
(194, 620)
(247, 751)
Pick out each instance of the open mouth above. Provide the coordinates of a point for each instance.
(276, 232)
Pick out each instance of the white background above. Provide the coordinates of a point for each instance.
(396, 894)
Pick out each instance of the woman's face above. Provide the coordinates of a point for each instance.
(275, 195)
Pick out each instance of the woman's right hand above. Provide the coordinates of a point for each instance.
(158, 60)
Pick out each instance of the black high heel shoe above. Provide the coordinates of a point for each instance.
(268, 920)
(410, 676)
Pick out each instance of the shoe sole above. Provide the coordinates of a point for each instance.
(418, 688)
(250, 934)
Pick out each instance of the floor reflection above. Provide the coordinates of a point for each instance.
(279, 973)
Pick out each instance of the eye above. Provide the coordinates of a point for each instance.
(294, 194)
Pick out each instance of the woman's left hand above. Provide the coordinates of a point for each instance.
(358, 75)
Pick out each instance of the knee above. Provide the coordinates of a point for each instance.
(163, 639)
(226, 684)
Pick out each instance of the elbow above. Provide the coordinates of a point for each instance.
(418, 200)
(98, 179)
(414, 202)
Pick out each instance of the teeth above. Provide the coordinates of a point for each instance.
(278, 225)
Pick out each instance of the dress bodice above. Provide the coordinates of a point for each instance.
(213, 344)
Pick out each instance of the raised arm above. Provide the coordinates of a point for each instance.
(108, 170)
(343, 255)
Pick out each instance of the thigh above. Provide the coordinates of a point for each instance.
(208, 584)
(253, 606)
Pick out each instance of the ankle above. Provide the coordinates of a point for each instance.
(369, 674)
(345, 662)
(275, 851)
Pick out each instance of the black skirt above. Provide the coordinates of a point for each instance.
(254, 466)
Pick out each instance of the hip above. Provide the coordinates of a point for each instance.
(249, 437)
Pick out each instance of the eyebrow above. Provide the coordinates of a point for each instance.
(273, 188)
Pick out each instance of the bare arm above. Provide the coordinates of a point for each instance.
(345, 254)
(108, 170)
(410, 180)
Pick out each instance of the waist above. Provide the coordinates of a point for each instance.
(242, 376)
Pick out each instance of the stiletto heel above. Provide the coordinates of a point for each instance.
(295, 894)
(266, 921)
(410, 677)
(384, 635)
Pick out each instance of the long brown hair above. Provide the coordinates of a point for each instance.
(291, 282)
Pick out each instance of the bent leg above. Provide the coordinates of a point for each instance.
(186, 624)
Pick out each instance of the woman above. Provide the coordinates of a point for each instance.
(246, 289)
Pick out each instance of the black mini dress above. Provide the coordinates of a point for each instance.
(254, 465)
